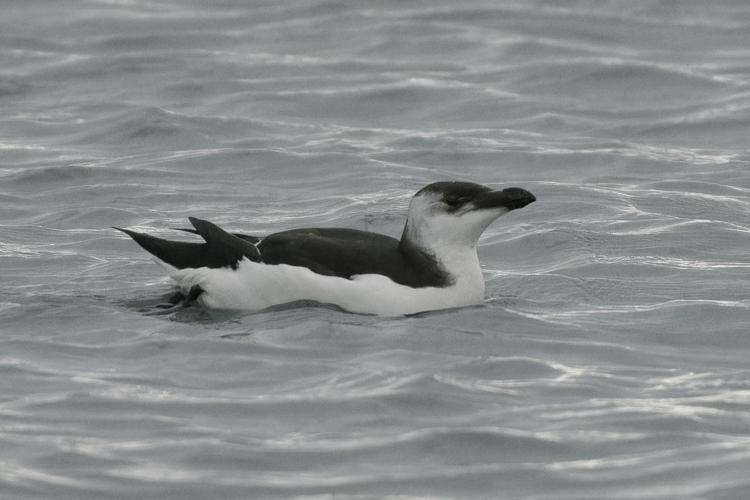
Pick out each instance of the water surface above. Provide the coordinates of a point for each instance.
(610, 359)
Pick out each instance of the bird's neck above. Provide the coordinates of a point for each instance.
(458, 261)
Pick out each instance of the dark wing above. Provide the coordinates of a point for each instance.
(220, 249)
(246, 237)
(348, 252)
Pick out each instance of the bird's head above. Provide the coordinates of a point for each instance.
(455, 214)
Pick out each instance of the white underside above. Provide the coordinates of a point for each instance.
(254, 286)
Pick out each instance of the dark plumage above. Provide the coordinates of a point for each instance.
(328, 251)
(220, 249)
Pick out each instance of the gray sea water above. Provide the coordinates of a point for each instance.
(611, 358)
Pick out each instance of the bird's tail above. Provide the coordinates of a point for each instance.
(221, 249)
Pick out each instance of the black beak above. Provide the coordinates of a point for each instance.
(510, 198)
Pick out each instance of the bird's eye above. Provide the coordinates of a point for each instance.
(453, 201)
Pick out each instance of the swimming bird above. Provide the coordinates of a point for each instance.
(434, 265)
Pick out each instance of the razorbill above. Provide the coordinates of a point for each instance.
(433, 266)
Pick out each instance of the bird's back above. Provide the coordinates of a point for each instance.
(347, 252)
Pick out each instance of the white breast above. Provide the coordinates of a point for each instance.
(255, 286)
